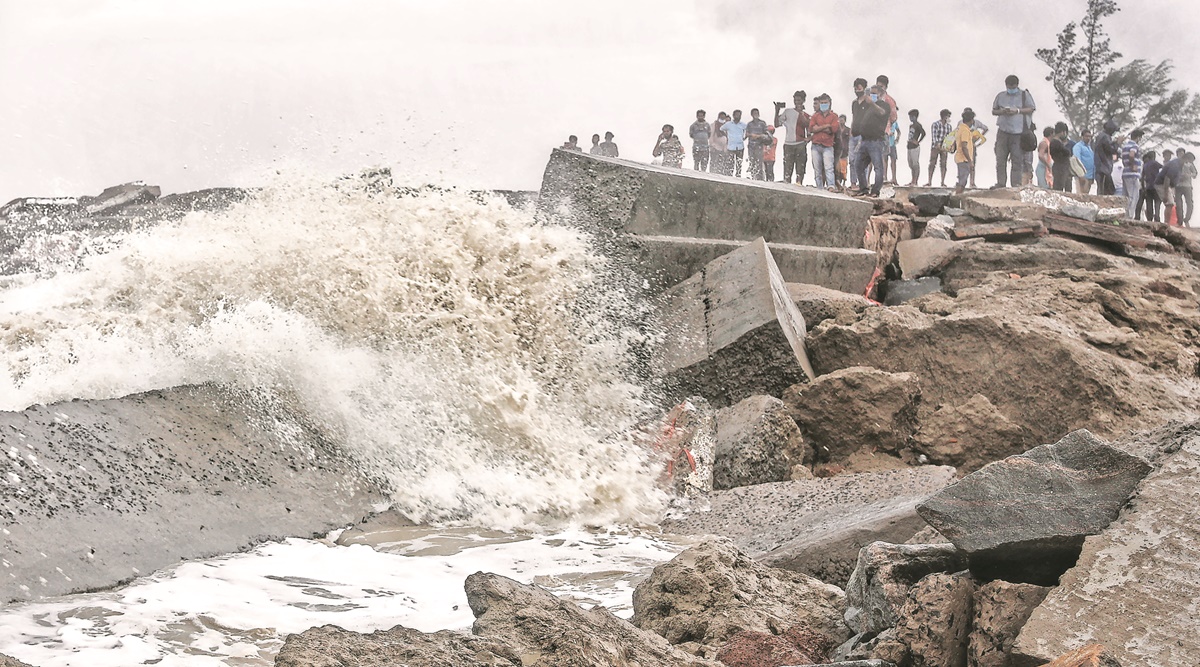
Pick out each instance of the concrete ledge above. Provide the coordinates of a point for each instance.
(607, 194)
(98, 492)
(669, 260)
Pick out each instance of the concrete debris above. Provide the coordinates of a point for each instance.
(1024, 519)
(925, 256)
(1001, 610)
(903, 291)
(756, 442)
(936, 620)
(732, 331)
(879, 586)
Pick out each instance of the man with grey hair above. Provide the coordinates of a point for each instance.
(1014, 109)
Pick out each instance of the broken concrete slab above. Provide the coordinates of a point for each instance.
(975, 261)
(669, 260)
(852, 408)
(183, 473)
(607, 194)
(878, 587)
(817, 526)
(757, 442)
(998, 231)
(731, 331)
(1136, 583)
(1024, 519)
(988, 208)
(1112, 235)
(925, 256)
(1001, 610)
(930, 202)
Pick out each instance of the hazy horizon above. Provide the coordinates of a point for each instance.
(472, 93)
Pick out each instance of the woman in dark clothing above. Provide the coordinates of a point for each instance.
(1060, 156)
(1149, 196)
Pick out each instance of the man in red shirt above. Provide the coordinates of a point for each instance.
(824, 126)
(882, 81)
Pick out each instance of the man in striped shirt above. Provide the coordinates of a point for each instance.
(1131, 178)
(938, 130)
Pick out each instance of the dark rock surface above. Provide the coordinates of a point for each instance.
(930, 202)
(711, 592)
(854, 408)
(1024, 518)
(817, 526)
(107, 490)
(879, 586)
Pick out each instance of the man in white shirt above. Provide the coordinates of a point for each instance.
(735, 129)
(795, 142)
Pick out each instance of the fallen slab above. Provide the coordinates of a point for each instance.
(731, 331)
(100, 492)
(817, 526)
(1123, 237)
(1136, 584)
(925, 256)
(669, 260)
(999, 231)
(818, 304)
(756, 442)
(608, 194)
(989, 208)
(1024, 519)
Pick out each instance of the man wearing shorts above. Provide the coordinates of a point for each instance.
(937, 154)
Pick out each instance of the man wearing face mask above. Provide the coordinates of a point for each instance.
(1014, 108)
(870, 121)
(825, 128)
(794, 122)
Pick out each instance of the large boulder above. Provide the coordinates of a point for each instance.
(1001, 610)
(331, 646)
(925, 256)
(756, 442)
(548, 632)
(879, 586)
(818, 304)
(817, 526)
(969, 436)
(936, 620)
(974, 262)
(852, 408)
(930, 202)
(731, 331)
(1025, 518)
(711, 592)
(1136, 584)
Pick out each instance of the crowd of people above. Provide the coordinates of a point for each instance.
(861, 155)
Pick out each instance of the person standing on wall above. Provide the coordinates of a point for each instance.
(1131, 177)
(700, 133)
(1045, 167)
(735, 130)
(870, 115)
(1060, 159)
(938, 132)
(795, 123)
(916, 134)
(1083, 152)
(1105, 149)
(825, 128)
(756, 140)
(1014, 109)
(964, 149)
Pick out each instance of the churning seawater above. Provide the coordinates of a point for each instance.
(475, 360)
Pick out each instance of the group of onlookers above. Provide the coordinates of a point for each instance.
(857, 156)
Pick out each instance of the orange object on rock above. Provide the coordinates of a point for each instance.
(1093, 655)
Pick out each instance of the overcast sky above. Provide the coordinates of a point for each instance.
(476, 92)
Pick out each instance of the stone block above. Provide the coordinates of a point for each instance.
(903, 291)
(757, 441)
(665, 261)
(884, 574)
(1024, 519)
(608, 194)
(936, 620)
(1136, 584)
(818, 304)
(925, 256)
(732, 331)
(994, 209)
(817, 526)
(1001, 610)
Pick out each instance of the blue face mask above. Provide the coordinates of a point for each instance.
(824, 107)
(1013, 91)
(874, 97)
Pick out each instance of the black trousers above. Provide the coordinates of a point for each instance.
(1062, 176)
(795, 158)
(1148, 198)
(1104, 184)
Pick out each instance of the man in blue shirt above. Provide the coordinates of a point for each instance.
(735, 129)
(1014, 109)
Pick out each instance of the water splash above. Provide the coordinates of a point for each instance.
(469, 357)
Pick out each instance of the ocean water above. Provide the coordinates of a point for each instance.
(478, 361)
